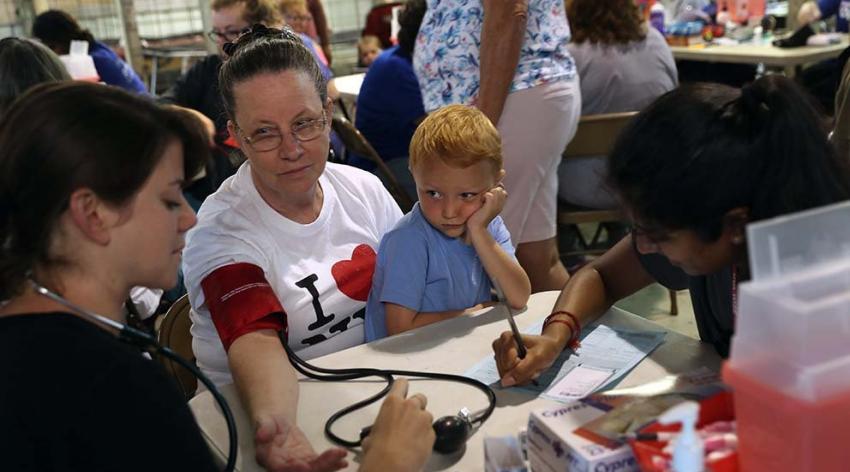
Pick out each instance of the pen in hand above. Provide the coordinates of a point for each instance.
(521, 350)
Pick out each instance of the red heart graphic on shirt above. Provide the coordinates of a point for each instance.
(354, 276)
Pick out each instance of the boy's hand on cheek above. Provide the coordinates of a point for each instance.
(494, 201)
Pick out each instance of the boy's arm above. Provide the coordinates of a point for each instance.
(400, 318)
(502, 268)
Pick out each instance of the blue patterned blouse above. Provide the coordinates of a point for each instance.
(447, 50)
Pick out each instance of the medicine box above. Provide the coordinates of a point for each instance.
(554, 447)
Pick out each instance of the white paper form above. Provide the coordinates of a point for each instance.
(603, 349)
(579, 382)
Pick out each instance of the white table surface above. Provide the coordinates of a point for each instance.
(349, 85)
(761, 53)
(452, 346)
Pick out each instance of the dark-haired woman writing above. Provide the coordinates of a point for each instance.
(692, 170)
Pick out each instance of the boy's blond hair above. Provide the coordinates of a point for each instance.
(459, 135)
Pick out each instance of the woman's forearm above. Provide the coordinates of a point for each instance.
(585, 297)
(592, 290)
(502, 35)
(266, 382)
(502, 268)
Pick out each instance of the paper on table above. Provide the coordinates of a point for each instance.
(602, 348)
(579, 382)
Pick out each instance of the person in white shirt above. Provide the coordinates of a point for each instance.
(284, 251)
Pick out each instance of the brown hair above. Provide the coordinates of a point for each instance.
(24, 64)
(459, 135)
(56, 29)
(256, 11)
(63, 136)
(605, 21)
(264, 50)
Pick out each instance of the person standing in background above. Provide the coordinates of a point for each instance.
(510, 59)
(321, 29)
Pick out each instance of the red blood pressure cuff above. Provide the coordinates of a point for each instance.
(241, 301)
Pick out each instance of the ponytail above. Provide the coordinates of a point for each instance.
(702, 150)
(797, 167)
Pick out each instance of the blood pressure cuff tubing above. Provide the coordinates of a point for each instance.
(241, 301)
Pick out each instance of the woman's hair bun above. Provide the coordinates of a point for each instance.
(255, 33)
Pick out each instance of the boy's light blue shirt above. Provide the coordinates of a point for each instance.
(420, 268)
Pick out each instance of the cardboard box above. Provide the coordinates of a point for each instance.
(554, 447)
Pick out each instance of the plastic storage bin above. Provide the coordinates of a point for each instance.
(79, 64)
(790, 357)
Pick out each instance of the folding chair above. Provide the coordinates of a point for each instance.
(174, 333)
(355, 142)
(595, 136)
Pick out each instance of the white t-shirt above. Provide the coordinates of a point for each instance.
(316, 270)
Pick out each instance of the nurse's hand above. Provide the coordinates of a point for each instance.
(402, 436)
(541, 352)
(283, 447)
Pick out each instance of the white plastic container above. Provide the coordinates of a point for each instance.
(790, 356)
(79, 64)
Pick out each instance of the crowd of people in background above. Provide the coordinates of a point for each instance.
(226, 188)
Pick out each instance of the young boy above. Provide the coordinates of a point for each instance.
(368, 49)
(439, 260)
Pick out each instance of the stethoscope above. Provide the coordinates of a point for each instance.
(451, 431)
(147, 342)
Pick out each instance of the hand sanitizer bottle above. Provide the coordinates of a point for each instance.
(688, 450)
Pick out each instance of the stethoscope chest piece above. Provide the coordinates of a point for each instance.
(452, 432)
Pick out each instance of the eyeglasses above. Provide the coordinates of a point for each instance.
(227, 35)
(268, 138)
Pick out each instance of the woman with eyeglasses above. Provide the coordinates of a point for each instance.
(284, 251)
(692, 170)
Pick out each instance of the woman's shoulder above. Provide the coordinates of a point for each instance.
(232, 200)
(655, 40)
(350, 179)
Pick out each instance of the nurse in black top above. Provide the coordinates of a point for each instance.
(691, 171)
(90, 206)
